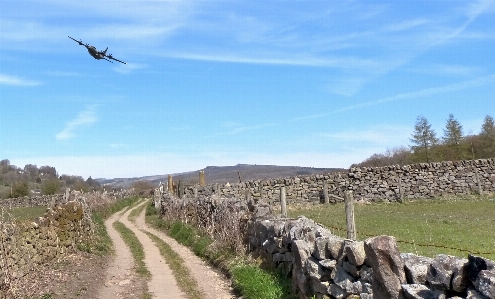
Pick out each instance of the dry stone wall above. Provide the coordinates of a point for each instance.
(27, 244)
(422, 180)
(67, 224)
(323, 265)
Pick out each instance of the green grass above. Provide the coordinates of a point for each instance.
(26, 213)
(453, 227)
(257, 283)
(250, 280)
(108, 210)
(135, 246)
(134, 213)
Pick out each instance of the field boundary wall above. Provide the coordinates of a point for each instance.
(389, 183)
(324, 265)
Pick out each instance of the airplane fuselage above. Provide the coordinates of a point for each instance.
(95, 53)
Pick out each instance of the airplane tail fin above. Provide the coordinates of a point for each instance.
(105, 52)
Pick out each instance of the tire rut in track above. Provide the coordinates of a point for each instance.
(211, 283)
(122, 282)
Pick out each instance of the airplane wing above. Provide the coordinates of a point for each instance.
(111, 57)
(77, 41)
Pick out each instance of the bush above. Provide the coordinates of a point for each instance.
(20, 189)
(50, 186)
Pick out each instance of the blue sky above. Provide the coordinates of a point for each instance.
(300, 83)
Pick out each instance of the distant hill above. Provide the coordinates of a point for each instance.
(224, 174)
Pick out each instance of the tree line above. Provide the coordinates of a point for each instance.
(17, 182)
(426, 147)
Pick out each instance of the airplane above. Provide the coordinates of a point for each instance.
(97, 54)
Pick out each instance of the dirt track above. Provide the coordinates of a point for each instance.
(120, 277)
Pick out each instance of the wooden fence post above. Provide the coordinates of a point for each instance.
(247, 195)
(480, 191)
(325, 192)
(283, 202)
(202, 181)
(170, 184)
(217, 189)
(67, 194)
(349, 214)
(262, 193)
(180, 189)
(401, 192)
(478, 182)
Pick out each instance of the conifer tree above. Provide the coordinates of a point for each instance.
(487, 137)
(453, 137)
(423, 139)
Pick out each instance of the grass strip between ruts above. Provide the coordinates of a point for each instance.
(135, 246)
(185, 281)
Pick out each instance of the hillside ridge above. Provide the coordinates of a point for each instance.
(223, 174)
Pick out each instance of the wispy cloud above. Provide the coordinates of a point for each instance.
(234, 128)
(85, 117)
(406, 25)
(129, 67)
(423, 93)
(480, 81)
(17, 81)
(344, 62)
(447, 70)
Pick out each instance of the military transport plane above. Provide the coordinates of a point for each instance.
(97, 54)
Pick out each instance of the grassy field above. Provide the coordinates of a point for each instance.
(426, 227)
(24, 213)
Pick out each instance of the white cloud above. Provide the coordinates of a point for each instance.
(17, 81)
(447, 70)
(480, 81)
(235, 128)
(406, 25)
(129, 67)
(85, 117)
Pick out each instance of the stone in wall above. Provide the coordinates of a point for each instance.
(388, 269)
(416, 267)
(448, 273)
(485, 283)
